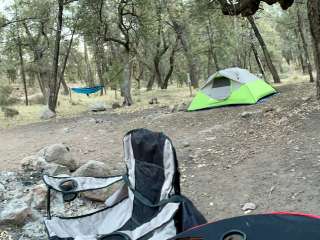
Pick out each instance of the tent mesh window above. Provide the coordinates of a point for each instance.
(221, 88)
(221, 82)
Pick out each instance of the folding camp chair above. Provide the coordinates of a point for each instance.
(148, 206)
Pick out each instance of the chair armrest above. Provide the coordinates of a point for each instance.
(82, 184)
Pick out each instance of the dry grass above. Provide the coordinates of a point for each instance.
(79, 104)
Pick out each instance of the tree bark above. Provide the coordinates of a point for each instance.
(211, 46)
(151, 82)
(314, 19)
(255, 52)
(22, 69)
(210, 63)
(64, 66)
(180, 30)
(42, 71)
(271, 67)
(305, 46)
(171, 61)
(100, 62)
(160, 52)
(89, 74)
(300, 57)
(54, 84)
(126, 81)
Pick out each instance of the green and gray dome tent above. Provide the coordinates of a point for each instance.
(231, 86)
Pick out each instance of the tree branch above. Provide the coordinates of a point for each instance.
(18, 20)
(108, 39)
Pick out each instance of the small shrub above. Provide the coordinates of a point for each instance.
(5, 92)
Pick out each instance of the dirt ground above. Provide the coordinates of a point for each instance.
(269, 156)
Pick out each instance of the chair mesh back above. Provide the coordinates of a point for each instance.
(151, 164)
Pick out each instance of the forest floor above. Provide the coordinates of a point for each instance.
(268, 153)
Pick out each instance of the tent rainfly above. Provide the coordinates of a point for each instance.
(231, 86)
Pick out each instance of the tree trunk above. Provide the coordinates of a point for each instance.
(89, 74)
(64, 66)
(314, 19)
(211, 47)
(255, 52)
(126, 82)
(171, 61)
(249, 62)
(141, 75)
(160, 52)
(157, 71)
(209, 69)
(23, 73)
(215, 60)
(42, 71)
(54, 84)
(305, 46)
(151, 82)
(100, 65)
(272, 68)
(186, 46)
(300, 57)
(42, 87)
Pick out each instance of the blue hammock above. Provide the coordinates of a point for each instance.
(87, 90)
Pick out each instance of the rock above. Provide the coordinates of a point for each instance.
(251, 131)
(92, 169)
(153, 100)
(37, 197)
(33, 231)
(29, 163)
(36, 99)
(39, 164)
(186, 144)
(306, 99)
(100, 195)
(66, 130)
(269, 109)
(97, 107)
(16, 212)
(7, 177)
(9, 112)
(283, 120)
(249, 114)
(47, 114)
(2, 191)
(246, 114)
(52, 169)
(5, 235)
(183, 107)
(58, 154)
(116, 105)
(249, 206)
(174, 108)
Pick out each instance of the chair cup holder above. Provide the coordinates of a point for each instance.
(234, 235)
(67, 186)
